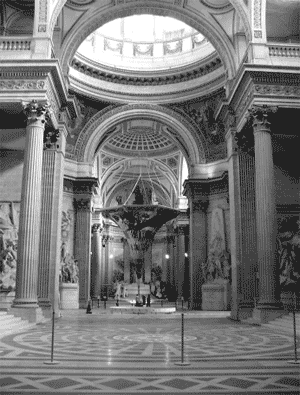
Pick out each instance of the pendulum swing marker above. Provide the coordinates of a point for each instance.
(51, 362)
(296, 360)
(182, 363)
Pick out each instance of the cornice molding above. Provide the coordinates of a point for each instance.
(126, 78)
(216, 81)
(42, 76)
(256, 84)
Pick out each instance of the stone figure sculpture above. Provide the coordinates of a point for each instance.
(288, 252)
(69, 270)
(217, 265)
(8, 264)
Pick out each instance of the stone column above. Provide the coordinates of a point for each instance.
(50, 242)
(265, 208)
(96, 261)
(30, 215)
(180, 262)
(171, 261)
(195, 190)
(106, 264)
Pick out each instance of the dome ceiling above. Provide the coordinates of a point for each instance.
(145, 42)
(146, 58)
(140, 137)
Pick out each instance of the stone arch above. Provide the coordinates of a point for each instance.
(90, 22)
(178, 128)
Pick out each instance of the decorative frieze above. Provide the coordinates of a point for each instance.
(22, 85)
(277, 90)
(257, 14)
(43, 11)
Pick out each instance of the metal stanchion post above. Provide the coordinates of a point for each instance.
(51, 362)
(182, 363)
(182, 303)
(295, 361)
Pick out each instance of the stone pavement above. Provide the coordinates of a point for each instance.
(134, 354)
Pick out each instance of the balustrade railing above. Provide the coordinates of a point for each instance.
(284, 50)
(15, 43)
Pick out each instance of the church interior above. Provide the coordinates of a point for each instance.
(149, 166)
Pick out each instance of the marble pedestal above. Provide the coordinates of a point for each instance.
(216, 295)
(69, 296)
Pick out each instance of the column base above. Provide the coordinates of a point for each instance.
(44, 303)
(31, 314)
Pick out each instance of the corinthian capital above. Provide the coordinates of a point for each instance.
(259, 116)
(36, 111)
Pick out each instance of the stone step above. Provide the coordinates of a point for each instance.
(9, 319)
(10, 324)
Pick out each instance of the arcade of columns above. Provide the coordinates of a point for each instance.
(40, 219)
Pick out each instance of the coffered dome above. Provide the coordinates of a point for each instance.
(141, 135)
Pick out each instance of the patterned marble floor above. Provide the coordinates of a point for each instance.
(108, 354)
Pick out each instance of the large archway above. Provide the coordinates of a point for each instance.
(191, 142)
(204, 24)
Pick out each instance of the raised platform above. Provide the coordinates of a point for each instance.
(141, 310)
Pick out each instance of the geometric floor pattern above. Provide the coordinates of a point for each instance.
(131, 354)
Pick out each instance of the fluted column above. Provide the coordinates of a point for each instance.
(265, 208)
(83, 247)
(30, 212)
(50, 235)
(96, 262)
